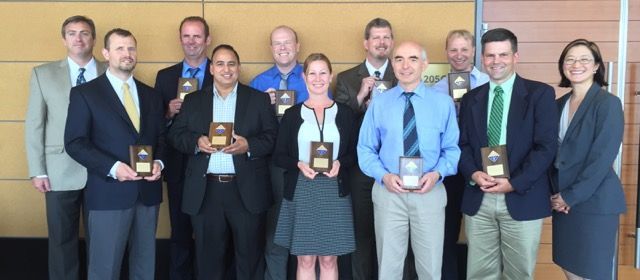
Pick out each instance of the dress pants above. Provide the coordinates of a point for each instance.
(63, 222)
(181, 242)
(223, 219)
(399, 215)
(112, 231)
(453, 218)
(499, 246)
(363, 259)
(276, 256)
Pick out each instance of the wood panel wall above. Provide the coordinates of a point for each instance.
(543, 29)
(31, 32)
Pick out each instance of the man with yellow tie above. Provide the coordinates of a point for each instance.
(107, 118)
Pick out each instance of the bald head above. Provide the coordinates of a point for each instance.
(409, 60)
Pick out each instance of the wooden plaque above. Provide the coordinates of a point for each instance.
(220, 134)
(321, 158)
(459, 85)
(186, 86)
(380, 87)
(495, 161)
(141, 159)
(284, 100)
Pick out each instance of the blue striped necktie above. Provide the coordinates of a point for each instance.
(409, 132)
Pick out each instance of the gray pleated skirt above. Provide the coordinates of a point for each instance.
(317, 221)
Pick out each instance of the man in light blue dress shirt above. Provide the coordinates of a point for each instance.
(460, 49)
(398, 211)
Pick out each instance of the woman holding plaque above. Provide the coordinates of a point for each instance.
(316, 145)
(588, 196)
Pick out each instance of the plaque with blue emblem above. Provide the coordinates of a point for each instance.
(321, 159)
(459, 85)
(284, 100)
(186, 86)
(410, 172)
(495, 162)
(141, 157)
(220, 134)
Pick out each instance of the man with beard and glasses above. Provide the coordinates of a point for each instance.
(107, 117)
(194, 39)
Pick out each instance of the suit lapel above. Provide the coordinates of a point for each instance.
(62, 77)
(145, 105)
(517, 111)
(479, 112)
(582, 109)
(389, 75)
(242, 102)
(112, 100)
(208, 79)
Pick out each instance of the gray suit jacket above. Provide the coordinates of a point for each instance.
(583, 172)
(44, 126)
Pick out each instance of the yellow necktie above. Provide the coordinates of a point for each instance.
(130, 106)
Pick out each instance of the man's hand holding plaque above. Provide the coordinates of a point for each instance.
(495, 162)
(284, 99)
(141, 160)
(321, 156)
(411, 173)
(220, 134)
(186, 86)
(459, 84)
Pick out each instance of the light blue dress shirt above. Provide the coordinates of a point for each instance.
(477, 79)
(380, 144)
(224, 110)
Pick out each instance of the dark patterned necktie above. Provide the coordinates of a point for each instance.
(193, 72)
(409, 131)
(377, 74)
(80, 80)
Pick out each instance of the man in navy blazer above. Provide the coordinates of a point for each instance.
(106, 116)
(503, 216)
(227, 191)
(194, 38)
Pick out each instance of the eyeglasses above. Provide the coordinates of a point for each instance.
(583, 61)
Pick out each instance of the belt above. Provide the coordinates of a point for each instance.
(222, 178)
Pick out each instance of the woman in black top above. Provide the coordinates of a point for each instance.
(315, 219)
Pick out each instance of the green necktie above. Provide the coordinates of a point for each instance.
(495, 119)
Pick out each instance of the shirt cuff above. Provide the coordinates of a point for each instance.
(161, 164)
(41, 176)
(112, 171)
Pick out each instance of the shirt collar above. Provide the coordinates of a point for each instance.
(74, 68)
(507, 86)
(420, 90)
(296, 71)
(231, 94)
(117, 83)
(372, 69)
(186, 67)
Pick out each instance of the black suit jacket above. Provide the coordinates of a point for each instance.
(532, 142)
(167, 86)
(254, 120)
(286, 153)
(98, 133)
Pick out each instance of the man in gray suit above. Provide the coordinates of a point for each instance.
(51, 170)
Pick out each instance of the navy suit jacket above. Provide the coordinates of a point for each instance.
(167, 86)
(583, 170)
(254, 119)
(98, 133)
(532, 141)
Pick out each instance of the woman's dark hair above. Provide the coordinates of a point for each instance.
(598, 77)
